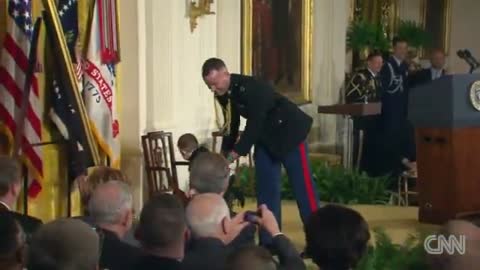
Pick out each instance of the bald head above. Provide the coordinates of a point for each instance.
(109, 202)
(64, 244)
(205, 214)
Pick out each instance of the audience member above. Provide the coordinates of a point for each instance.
(64, 244)
(98, 175)
(12, 243)
(110, 209)
(468, 261)
(254, 257)
(210, 174)
(162, 232)
(10, 187)
(336, 237)
(209, 220)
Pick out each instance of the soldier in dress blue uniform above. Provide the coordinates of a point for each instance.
(275, 126)
(398, 133)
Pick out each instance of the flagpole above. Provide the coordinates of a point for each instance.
(32, 61)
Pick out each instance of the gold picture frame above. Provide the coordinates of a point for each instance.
(437, 22)
(68, 79)
(295, 85)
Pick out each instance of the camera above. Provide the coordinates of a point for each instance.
(251, 216)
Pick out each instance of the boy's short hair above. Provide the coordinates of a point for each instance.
(336, 237)
(187, 142)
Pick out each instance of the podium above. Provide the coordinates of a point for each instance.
(447, 128)
(352, 110)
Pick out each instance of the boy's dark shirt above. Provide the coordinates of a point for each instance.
(195, 154)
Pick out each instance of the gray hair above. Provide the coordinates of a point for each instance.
(205, 213)
(209, 173)
(108, 201)
(9, 173)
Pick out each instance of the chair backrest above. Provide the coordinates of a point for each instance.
(159, 155)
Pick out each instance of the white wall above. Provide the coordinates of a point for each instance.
(330, 20)
(161, 80)
(464, 32)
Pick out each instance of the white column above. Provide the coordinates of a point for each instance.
(328, 67)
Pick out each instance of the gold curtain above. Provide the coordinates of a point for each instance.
(384, 12)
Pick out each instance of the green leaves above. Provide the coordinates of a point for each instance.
(386, 255)
(363, 35)
(339, 185)
(414, 34)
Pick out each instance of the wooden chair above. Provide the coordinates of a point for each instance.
(404, 190)
(160, 164)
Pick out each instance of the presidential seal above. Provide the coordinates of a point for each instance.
(475, 95)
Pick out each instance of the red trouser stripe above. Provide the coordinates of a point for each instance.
(307, 178)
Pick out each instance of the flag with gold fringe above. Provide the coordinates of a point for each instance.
(99, 82)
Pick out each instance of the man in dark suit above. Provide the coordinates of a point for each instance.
(278, 129)
(398, 142)
(435, 71)
(210, 174)
(111, 212)
(254, 257)
(212, 229)
(162, 232)
(10, 187)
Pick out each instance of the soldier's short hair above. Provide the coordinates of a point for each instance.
(397, 40)
(9, 173)
(212, 64)
(188, 142)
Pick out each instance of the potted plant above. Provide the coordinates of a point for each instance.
(364, 36)
(415, 35)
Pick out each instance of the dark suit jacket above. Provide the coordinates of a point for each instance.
(29, 224)
(273, 121)
(150, 262)
(421, 77)
(116, 254)
(288, 256)
(206, 254)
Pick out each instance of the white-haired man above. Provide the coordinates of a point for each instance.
(111, 211)
(208, 218)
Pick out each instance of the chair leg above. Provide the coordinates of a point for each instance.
(405, 179)
(214, 144)
(399, 191)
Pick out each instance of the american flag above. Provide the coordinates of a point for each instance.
(13, 69)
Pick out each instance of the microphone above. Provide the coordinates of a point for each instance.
(468, 57)
(474, 61)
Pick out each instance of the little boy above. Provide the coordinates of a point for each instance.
(189, 148)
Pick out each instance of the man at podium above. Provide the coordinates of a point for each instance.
(364, 87)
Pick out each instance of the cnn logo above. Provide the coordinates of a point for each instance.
(449, 245)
